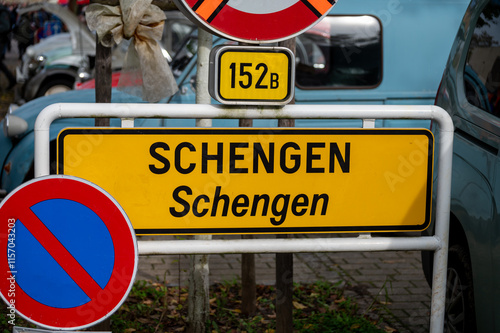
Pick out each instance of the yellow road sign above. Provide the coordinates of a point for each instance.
(220, 181)
(251, 75)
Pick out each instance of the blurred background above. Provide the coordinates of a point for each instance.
(29, 28)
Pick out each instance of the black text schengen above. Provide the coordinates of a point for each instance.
(288, 158)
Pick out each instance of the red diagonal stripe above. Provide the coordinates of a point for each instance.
(60, 254)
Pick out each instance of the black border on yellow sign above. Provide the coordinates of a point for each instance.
(274, 131)
(215, 74)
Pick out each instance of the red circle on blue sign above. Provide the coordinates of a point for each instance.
(68, 253)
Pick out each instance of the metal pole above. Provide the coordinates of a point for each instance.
(437, 243)
(198, 296)
(442, 228)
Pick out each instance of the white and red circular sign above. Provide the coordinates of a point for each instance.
(68, 253)
(256, 21)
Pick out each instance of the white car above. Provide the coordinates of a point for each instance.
(57, 62)
(51, 65)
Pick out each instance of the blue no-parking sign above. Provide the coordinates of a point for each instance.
(68, 253)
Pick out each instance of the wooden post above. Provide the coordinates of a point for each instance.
(248, 287)
(102, 79)
(102, 95)
(284, 291)
(284, 261)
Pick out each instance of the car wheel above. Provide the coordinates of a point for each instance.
(459, 309)
(55, 87)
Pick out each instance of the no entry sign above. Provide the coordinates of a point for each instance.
(68, 254)
(255, 21)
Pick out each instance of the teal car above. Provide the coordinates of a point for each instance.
(367, 52)
(363, 52)
(470, 93)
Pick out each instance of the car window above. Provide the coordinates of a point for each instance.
(340, 52)
(185, 53)
(482, 66)
(174, 35)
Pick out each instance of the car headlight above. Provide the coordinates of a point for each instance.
(84, 76)
(83, 73)
(36, 63)
(29, 52)
(14, 125)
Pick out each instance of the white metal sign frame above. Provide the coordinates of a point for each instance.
(437, 242)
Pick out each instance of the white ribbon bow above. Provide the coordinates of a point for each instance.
(144, 61)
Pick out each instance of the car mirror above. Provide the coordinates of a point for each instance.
(14, 126)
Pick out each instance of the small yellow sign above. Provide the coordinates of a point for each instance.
(222, 181)
(251, 75)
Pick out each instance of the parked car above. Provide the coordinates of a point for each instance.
(470, 93)
(51, 65)
(17, 138)
(56, 63)
(365, 52)
(370, 52)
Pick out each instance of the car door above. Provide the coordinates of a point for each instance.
(476, 181)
